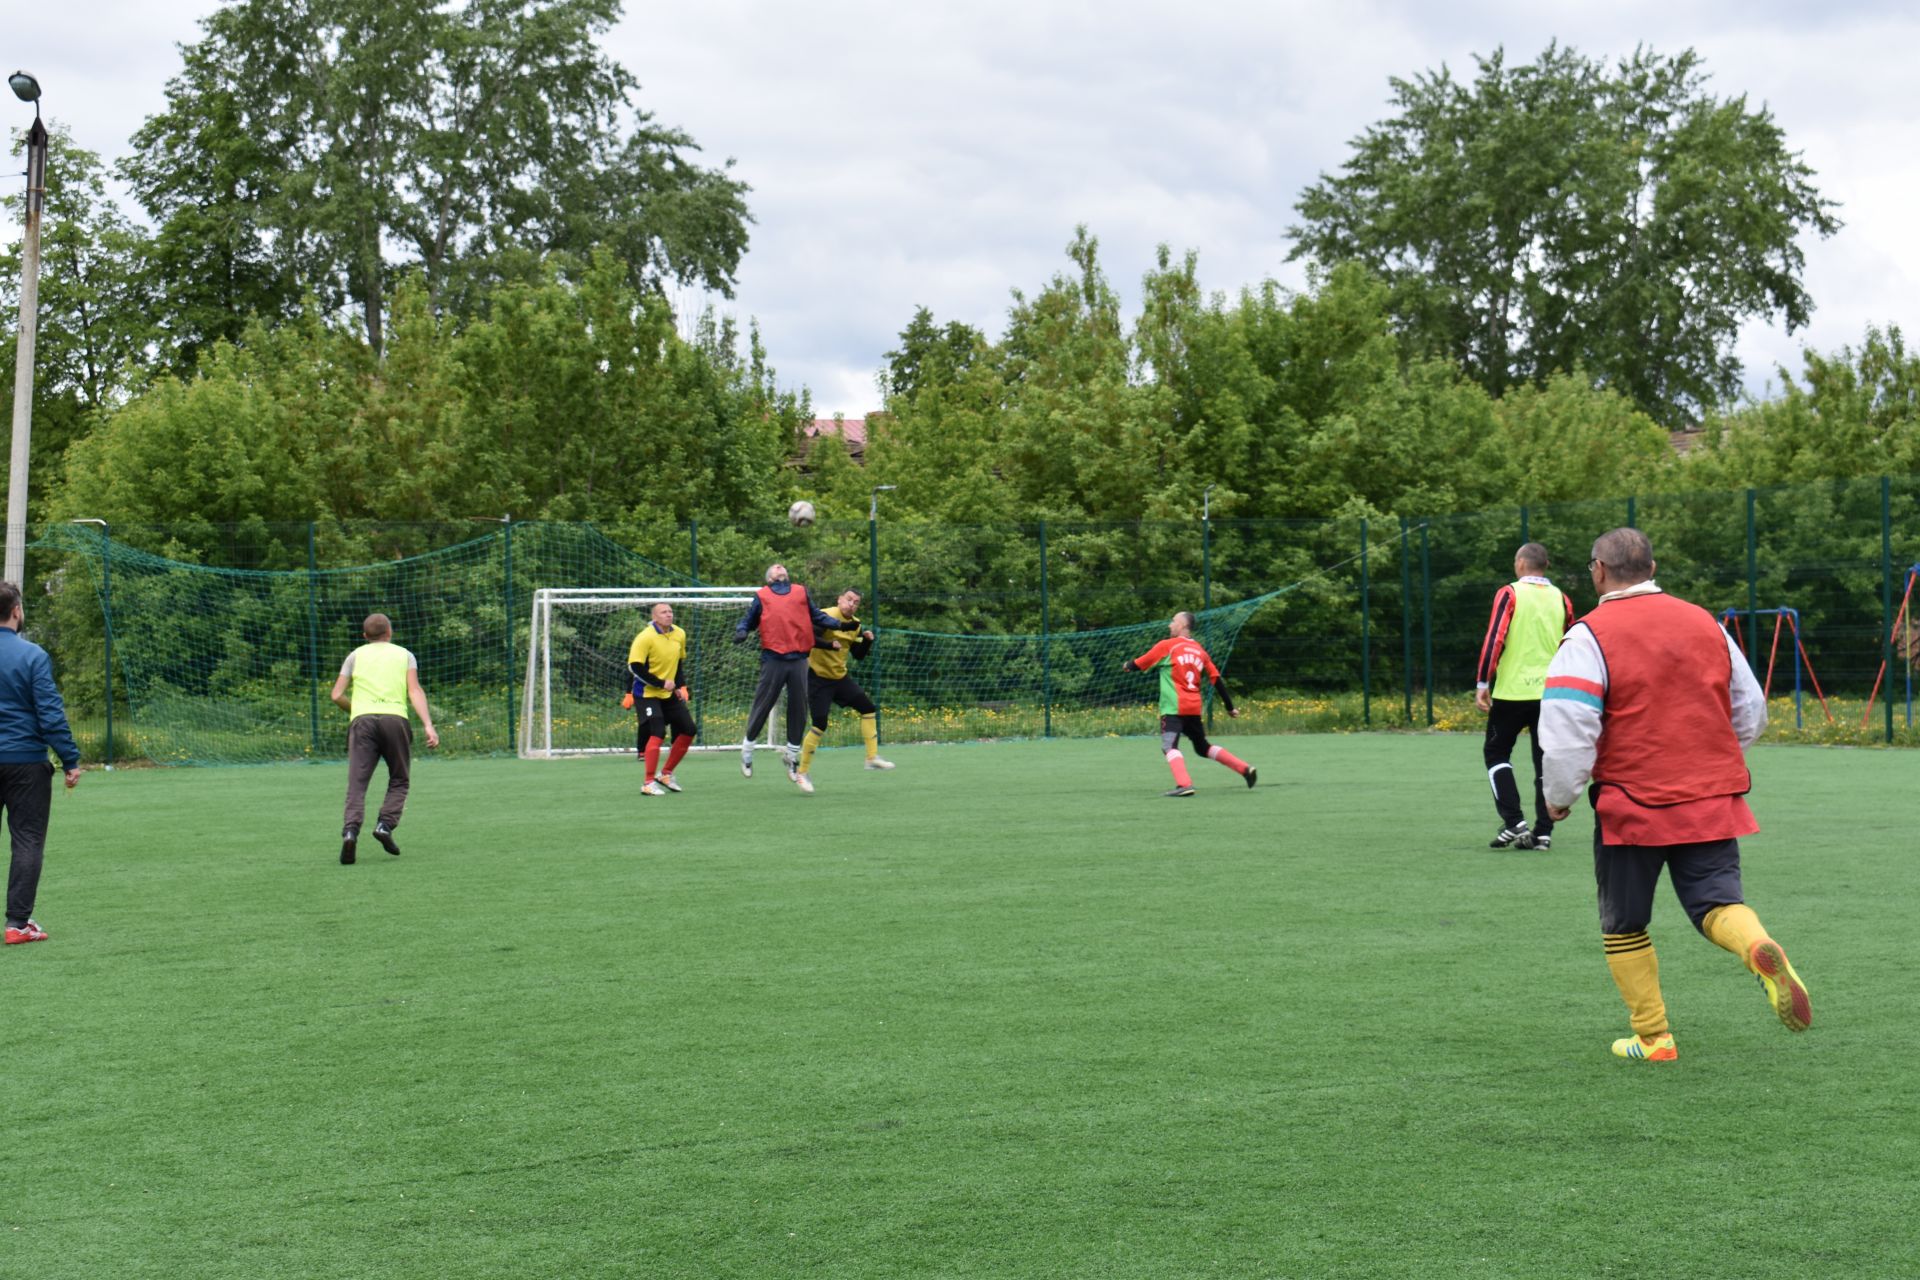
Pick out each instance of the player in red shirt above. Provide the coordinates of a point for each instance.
(1182, 663)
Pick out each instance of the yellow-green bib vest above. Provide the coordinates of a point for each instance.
(379, 680)
(1533, 637)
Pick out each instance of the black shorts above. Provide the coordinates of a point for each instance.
(657, 715)
(1171, 727)
(824, 694)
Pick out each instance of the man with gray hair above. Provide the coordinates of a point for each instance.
(1529, 617)
(784, 615)
(1650, 702)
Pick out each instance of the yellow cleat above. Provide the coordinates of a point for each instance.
(1785, 992)
(1658, 1049)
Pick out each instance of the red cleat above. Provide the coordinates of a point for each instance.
(28, 932)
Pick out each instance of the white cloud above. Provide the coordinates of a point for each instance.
(940, 155)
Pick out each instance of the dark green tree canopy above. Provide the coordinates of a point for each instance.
(321, 145)
(1566, 213)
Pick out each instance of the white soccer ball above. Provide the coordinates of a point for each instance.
(800, 514)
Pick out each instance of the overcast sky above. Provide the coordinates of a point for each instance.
(939, 155)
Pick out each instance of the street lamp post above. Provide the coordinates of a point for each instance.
(873, 589)
(1206, 582)
(27, 89)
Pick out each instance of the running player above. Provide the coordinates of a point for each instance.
(1182, 663)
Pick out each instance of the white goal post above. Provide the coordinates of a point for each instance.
(577, 667)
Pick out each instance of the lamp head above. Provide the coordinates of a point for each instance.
(25, 86)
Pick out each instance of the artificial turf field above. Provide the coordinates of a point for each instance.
(1003, 1012)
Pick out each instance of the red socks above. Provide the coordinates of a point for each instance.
(1228, 759)
(1178, 763)
(653, 757)
(679, 752)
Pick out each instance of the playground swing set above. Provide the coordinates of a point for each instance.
(1785, 618)
(1904, 642)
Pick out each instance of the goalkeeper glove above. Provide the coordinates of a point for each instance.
(626, 703)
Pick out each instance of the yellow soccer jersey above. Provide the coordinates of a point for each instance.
(663, 655)
(831, 664)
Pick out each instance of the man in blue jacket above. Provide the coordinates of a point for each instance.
(32, 721)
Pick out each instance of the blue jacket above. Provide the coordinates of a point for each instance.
(32, 717)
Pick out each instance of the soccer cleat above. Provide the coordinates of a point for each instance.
(652, 789)
(878, 763)
(28, 932)
(1507, 837)
(1178, 791)
(1658, 1049)
(793, 768)
(1252, 775)
(1785, 992)
(802, 781)
(384, 834)
(746, 764)
(666, 780)
(349, 841)
(1541, 842)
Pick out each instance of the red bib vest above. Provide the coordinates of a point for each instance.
(786, 621)
(1667, 735)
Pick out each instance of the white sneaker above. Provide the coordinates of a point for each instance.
(652, 789)
(805, 783)
(746, 764)
(666, 780)
(793, 769)
(878, 763)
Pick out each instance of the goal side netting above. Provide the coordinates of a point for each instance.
(577, 674)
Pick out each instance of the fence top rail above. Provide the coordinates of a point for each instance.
(663, 593)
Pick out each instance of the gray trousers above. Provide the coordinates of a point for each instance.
(779, 673)
(371, 739)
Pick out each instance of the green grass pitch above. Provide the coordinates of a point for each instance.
(1003, 1012)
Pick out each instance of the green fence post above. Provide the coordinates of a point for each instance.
(873, 603)
(1366, 652)
(313, 638)
(1406, 617)
(1523, 524)
(106, 592)
(506, 639)
(1426, 619)
(1886, 593)
(1046, 642)
(1753, 587)
(693, 572)
(1633, 516)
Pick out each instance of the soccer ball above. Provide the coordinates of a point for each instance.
(800, 514)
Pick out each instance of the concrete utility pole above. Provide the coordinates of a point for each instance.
(27, 89)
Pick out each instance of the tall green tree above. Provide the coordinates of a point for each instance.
(324, 145)
(1565, 213)
(93, 327)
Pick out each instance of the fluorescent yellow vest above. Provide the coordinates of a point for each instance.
(379, 680)
(1533, 637)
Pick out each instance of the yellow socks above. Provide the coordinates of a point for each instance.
(1733, 927)
(807, 746)
(1636, 971)
(870, 730)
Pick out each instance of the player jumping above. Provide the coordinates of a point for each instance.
(1182, 662)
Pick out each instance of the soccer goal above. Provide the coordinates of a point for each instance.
(577, 667)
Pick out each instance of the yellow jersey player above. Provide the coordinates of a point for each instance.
(829, 685)
(657, 661)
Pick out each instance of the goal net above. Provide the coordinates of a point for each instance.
(577, 667)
